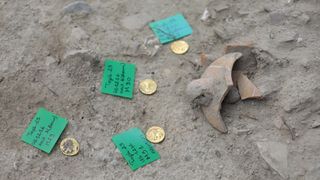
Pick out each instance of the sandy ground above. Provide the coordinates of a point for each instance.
(51, 55)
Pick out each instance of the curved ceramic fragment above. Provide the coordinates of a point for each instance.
(247, 89)
(216, 81)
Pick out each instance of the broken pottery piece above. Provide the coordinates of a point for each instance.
(214, 83)
(276, 155)
(247, 89)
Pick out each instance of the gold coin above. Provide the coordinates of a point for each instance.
(148, 86)
(179, 47)
(155, 134)
(69, 146)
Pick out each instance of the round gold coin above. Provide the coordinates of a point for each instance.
(69, 146)
(179, 47)
(148, 86)
(155, 134)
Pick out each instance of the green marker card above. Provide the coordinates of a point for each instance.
(171, 28)
(44, 130)
(118, 78)
(135, 149)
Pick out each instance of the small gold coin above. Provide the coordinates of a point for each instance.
(148, 86)
(69, 146)
(155, 134)
(179, 47)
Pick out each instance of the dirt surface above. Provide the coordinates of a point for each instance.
(52, 54)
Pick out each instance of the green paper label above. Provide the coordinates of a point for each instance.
(171, 28)
(118, 78)
(135, 149)
(44, 130)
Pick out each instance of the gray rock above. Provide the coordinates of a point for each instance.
(208, 15)
(221, 7)
(50, 60)
(287, 36)
(316, 124)
(243, 12)
(241, 131)
(222, 33)
(136, 21)
(233, 96)
(205, 15)
(278, 122)
(276, 155)
(78, 8)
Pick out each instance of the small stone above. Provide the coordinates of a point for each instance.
(205, 15)
(295, 14)
(316, 124)
(222, 33)
(1, 79)
(276, 155)
(233, 96)
(77, 8)
(271, 35)
(208, 15)
(218, 154)
(278, 123)
(242, 131)
(137, 21)
(267, 9)
(50, 60)
(243, 12)
(288, 36)
(221, 7)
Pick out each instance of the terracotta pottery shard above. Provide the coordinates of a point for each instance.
(216, 81)
(246, 88)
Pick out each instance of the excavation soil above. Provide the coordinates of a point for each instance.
(52, 54)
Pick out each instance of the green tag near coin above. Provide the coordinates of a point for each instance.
(44, 130)
(135, 149)
(118, 78)
(171, 28)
